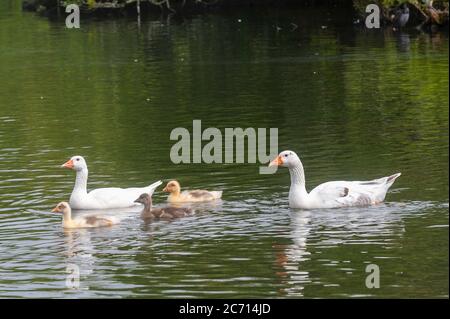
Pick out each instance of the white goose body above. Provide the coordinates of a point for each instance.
(331, 194)
(102, 198)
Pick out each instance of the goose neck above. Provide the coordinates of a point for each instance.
(176, 192)
(81, 181)
(147, 207)
(297, 175)
(67, 215)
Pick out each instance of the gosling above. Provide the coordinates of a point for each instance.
(164, 213)
(199, 195)
(88, 221)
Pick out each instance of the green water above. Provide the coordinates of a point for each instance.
(353, 103)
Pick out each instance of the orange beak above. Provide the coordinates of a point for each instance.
(165, 189)
(278, 161)
(68, 164)
(55, 210)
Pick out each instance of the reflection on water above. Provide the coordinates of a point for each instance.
(290, 257)
(313, 231)
(353, 104)
(403, 42)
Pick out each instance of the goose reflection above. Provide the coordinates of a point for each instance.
(403, 41)
(290, 257)
(79, 253)
(315, 232)
(81, 245)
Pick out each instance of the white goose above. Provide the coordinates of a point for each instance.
(102, 198)
(330, 194)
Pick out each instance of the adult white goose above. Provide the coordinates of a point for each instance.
(330, 194)
(102, 198)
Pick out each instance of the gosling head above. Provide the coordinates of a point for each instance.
(144, 199)
(77, 163)
(172, 187)
(62, 207)
(286, 159)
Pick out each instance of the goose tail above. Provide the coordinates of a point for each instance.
(391, 179)
(151, 188)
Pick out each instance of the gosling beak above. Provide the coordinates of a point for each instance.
(278, 161)
(138, 201)
(165, 189)
(55, 210)
(68, 164)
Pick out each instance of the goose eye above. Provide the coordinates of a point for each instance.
(78, 159)
(286, 155)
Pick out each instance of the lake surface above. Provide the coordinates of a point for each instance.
(353, 103)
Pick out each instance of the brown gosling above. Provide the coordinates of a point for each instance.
(165, 213)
